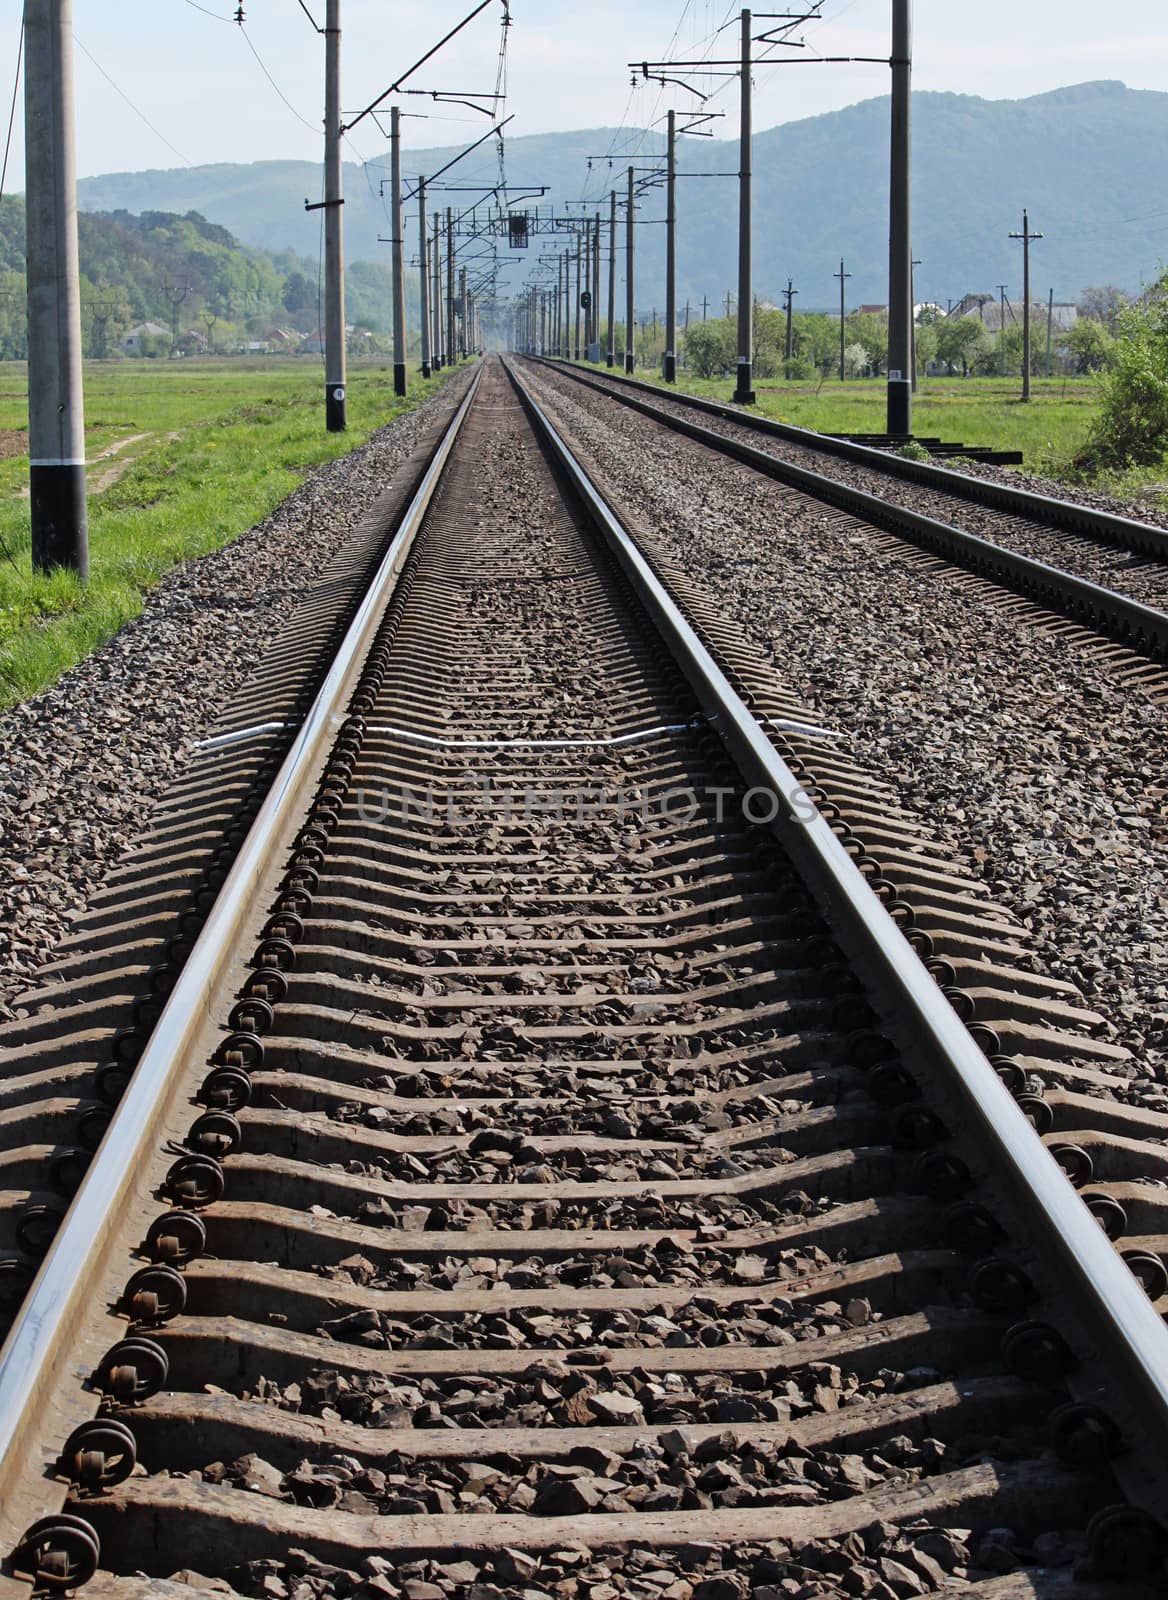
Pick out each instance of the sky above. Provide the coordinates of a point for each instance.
(165, 83)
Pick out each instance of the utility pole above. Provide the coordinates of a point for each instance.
(1002, 287)
(423, 278)
(630, 352)
(743, 391)
(451, 330)
(843, 277)
(439, 348)
(579, 291)
(596, 283)
(56, 421)
(334, 254)
(208, 318)
(610, 358)
(705, 306)
(900, 306)
(1049, 331)
(790, 292)
(1026, 236)
(729, 302)
(669, 365)
(399, 254)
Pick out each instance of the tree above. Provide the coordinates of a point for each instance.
(960, 341)
(1131, 425)
(709, 349)
(1088, 345)
(299, 294)
(855, 360)
(872, 333)
(1103, 303)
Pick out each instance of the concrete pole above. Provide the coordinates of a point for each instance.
(1049, 332)
(579, 288)
(463, 317)
(334, 252)
(423, 277)
(1026, 305)
(669, 367)
(900, 303)
(596, 279)
(399, 254)
(56, 417)
(610, 358)
(630, 343)
(744, 390)
(436, 254)
(452, 330)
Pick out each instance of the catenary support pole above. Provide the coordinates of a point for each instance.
(744, 389)
(596, 282)
(334, 252)
(579, 292)
(56, 420)
(790, 291)
(630, 343)
(610, 358)
(669, 366)
(1049, 332)
(399, 253)
(900, 306)
(436, 298)
(463, 314)
(423, 278)
(451, 330)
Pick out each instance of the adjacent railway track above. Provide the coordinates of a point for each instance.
(1102, 571)
(555, 1168)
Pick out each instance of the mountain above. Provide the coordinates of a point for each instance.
(1086, 160)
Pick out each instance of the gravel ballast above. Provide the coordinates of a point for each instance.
(82, 764)
(1034, 763)
(1140, 578)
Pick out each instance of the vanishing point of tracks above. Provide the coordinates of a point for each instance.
(554, 1170)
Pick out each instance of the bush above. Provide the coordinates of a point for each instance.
(1131, 425)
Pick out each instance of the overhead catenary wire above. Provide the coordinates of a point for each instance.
(141, 115)
(311, 126)
(12, 110)
(218, 16)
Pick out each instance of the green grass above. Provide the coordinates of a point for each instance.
(972, 411)
(226, 442)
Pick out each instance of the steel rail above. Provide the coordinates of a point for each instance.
(1116, 1315)
(1137, 627)
(1065, 515)
(37, 1352)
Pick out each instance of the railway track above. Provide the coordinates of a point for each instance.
(1104, 572)
(555, 1171)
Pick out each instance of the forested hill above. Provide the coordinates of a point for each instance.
(138, 269)
(1087, 160)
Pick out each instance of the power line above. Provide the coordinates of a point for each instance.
(12, 112)
(312, 127)
(140, 114)
(206, 13)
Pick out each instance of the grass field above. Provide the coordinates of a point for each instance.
(183, 457)
(973, 411)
